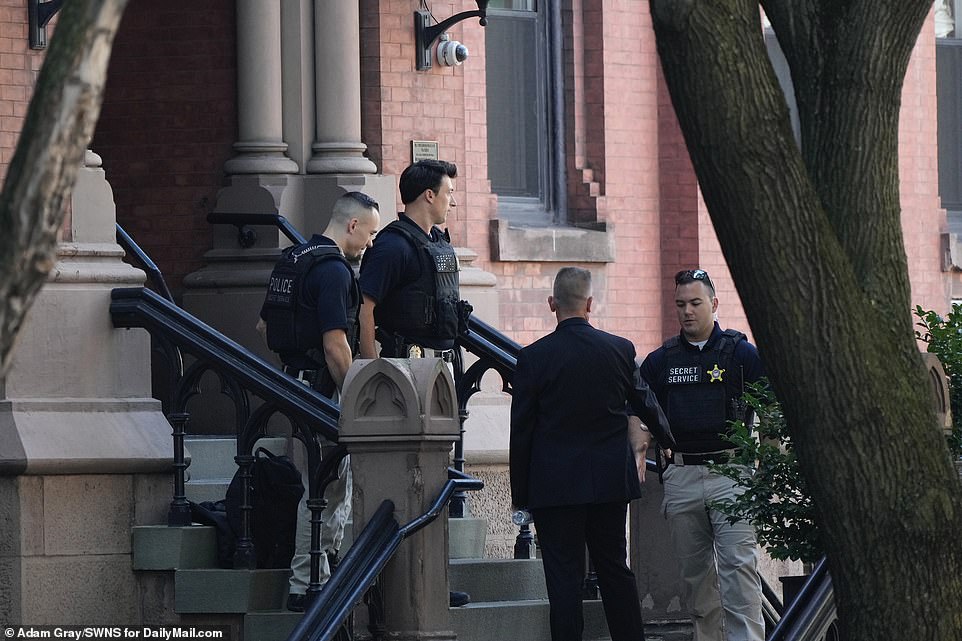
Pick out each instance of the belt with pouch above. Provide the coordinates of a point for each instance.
(306, 376)
(417, 351)
(702, 458)
(399, 346)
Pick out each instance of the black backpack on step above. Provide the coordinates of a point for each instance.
(276, 489)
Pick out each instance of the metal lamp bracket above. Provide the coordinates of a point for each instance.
(40, 14)
(425, 35)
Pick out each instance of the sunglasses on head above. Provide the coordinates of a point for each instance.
(689, 275)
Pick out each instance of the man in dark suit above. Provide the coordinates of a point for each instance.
(576, 460)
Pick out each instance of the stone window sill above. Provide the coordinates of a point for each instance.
(542, 242)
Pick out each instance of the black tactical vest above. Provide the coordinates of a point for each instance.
(292, 325)
(703, 391)
(426, 308)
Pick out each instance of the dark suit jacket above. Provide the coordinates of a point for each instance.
(569, 427)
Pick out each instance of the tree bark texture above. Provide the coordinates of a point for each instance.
(58, 126)
(813, 239)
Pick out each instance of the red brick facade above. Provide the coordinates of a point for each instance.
(169, 122)
(167, 125)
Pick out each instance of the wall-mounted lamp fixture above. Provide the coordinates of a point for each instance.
(39, 14)
(424, 35)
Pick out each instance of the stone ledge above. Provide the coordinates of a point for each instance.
(517, 242)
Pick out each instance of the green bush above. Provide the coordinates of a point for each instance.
(774, 499)
(943, 337)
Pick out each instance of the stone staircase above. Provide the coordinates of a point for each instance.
(509, 600)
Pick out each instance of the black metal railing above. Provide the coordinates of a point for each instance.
(358, 572)
(812, 616)
(154, 274)
(242, 375)
(494, 350)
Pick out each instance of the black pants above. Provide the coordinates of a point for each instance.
(563, 533)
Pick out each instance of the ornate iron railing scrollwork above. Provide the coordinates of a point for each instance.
(496, 352)
(241, 374)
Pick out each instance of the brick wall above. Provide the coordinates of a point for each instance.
(923, 219)
(19, 67)
(168, 123)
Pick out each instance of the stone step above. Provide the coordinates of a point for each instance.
(159, 547)
(202, 490)
(528, 619)
(229, 591)
(213, 458)
(274, 625)
(499, 579)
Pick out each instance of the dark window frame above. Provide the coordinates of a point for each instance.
(550, 204)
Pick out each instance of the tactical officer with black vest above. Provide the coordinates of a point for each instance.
(699, 377)
(409, 278)
(311, 316)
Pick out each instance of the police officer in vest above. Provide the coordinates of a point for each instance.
(409, 278)
(699, 377)
(311, 313)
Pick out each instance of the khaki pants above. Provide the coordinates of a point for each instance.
(719, 560)
(333, 519)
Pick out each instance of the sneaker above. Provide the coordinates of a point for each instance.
(457, 599)
(295, 602)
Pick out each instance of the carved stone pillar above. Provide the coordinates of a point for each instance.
(337, 67)
(260, 145)
(399, 421)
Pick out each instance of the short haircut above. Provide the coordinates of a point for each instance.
(351, 205)
(572, 287)
(424, 175)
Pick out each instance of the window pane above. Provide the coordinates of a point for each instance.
(515, 106)
(514, 5)
(948, 65)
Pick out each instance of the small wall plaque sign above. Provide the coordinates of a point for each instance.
(424, 150)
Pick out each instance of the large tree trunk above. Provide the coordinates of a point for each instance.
(823, 278)
(56, 132)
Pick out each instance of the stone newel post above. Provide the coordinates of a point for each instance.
(399, 420)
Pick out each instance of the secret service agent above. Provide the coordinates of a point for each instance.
(699, 378)
(409, 278)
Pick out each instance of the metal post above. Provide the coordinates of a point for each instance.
(245, 557)
(179, 513)
(316, 506)
(524, 547)
(589, 591)
(456, 507)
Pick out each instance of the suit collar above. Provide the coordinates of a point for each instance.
(568, 322)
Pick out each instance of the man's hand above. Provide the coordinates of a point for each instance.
(640, 439)
(366, 319)
(261, 328)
